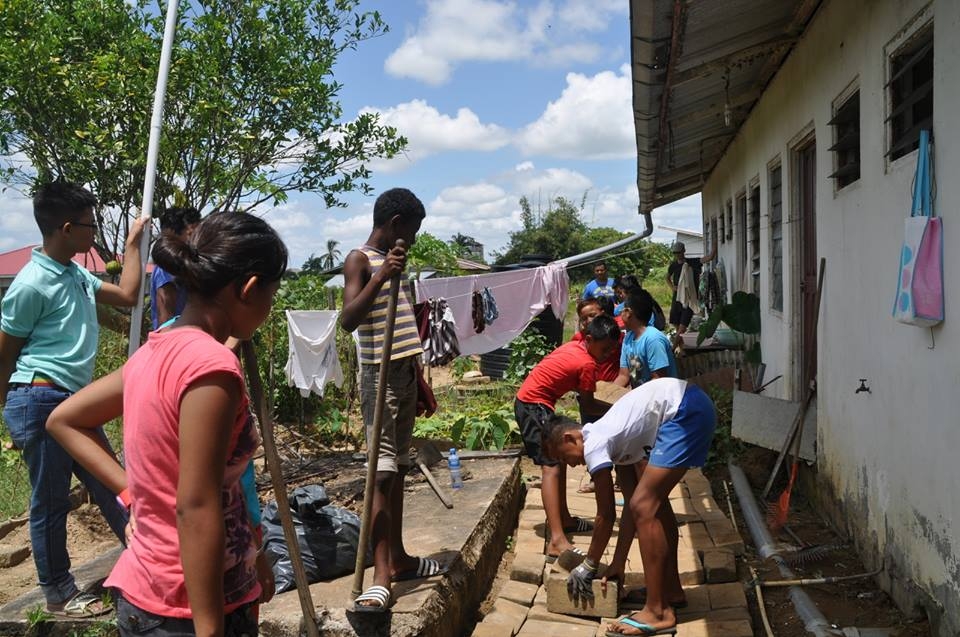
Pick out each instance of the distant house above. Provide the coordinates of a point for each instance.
(13, 261)
(798, 121)
(691, 239)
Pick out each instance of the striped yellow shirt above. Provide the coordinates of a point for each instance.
(406, 339)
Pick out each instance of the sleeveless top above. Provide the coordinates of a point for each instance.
(406, 338)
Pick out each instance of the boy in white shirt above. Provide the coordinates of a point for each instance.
(653, 435)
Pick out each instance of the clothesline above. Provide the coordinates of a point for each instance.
(493, 288)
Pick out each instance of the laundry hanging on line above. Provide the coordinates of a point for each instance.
(440, 346)
(312, 361)
(521, 295)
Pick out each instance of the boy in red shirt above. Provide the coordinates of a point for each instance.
(570, 367)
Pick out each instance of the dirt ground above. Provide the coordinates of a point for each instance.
(857, 602)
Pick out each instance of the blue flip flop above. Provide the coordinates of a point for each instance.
(645, 629)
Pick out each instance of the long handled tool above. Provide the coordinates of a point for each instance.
(279, 487)
(427, 456)
(373, 444)
(778, 513)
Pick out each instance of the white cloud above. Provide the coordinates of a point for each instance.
(592, 119)
(455, 31)
(17, 225)
(551, 183)
(428, 131)
(524, 165)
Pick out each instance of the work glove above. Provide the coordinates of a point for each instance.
(580, 581)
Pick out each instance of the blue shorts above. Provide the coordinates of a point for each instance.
(685, 440)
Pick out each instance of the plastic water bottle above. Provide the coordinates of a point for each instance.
(453, 461)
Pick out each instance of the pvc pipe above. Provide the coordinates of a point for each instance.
(149, 182)
(813, 619)
(586, 256)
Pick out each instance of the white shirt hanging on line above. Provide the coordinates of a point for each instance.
(520, 295)
(313, 361)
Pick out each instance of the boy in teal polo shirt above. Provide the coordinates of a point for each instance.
(48, 341)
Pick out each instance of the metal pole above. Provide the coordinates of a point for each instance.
(149, 181)
(373, 445)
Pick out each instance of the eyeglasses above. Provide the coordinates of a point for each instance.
(80, 223)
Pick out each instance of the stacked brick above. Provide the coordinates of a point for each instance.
(535, 603)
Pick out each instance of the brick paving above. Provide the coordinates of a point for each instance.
(708, 552)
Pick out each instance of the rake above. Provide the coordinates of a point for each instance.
(777, 515)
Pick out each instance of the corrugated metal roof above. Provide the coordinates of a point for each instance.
(698, 69)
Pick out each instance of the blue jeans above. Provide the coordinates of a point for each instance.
(133, 621)
(50, 468)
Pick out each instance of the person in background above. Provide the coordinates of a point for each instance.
(646, 352)
(48, 342)
(600, 285)
(167, 297)
(680, 315)
(193, 564)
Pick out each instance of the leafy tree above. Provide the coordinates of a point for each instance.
(251, 114)
(313, 265)
(466, 247)
(557, 233)
(431, 252)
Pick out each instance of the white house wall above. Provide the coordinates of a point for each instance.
(886, 459)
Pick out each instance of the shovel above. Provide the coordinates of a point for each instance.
(427, 456)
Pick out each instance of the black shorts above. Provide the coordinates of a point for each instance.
(530, 417)
(680, 315)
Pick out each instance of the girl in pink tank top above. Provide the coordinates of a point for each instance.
(192, 564)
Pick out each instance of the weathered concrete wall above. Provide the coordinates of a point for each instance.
(886, 458)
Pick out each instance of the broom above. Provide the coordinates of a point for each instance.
(777, 514)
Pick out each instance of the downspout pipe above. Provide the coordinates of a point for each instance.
(813, 620)
(587, 256)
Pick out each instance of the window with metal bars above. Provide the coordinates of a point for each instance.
(911, 93)
(846, 145)
(754, 238)
(776, 240)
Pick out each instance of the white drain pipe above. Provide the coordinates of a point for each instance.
(813, 619)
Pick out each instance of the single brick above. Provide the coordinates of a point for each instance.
(528, 567)
(696, 536)
(710, 628)
(13, 555)
(719, 566)
(508, 615)
(708, 509)
(688, 565)
(493, 629)
(684, 511)
(520, 592)
(559, 600)
(539, 612)
(537, 628)
(727, 595)
(533, 500)
(729, 614)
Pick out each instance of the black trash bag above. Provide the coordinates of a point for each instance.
(328, 536)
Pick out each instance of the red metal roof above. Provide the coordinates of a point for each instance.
(13, 261)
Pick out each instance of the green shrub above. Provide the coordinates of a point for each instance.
(526, 351)
(724, 446)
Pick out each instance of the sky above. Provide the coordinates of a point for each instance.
(498, 100)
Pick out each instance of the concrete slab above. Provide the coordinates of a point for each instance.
(719, 566)
(764, 421)
(467, 537)
(507, 616)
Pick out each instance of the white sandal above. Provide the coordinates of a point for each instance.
(376, 593)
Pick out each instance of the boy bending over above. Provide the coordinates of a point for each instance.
(570, 367)
(653, 435)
